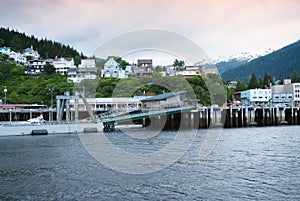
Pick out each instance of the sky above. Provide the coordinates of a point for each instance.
(218, 27)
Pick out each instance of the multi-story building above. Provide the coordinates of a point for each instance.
(189, 71)
(86, 70)
(113, 69)
(288, 93)
(144, 68)
(17, 57)
(35, 67)
(256, 96)
(62, 65)
(210, 70)
(31, 53)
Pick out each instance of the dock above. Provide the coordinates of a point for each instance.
(173, 118)
(188, 117)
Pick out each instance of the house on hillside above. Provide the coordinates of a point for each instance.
(86, 70)
(113, 69)
(5, 50)
(210, 70)
(189, 71)
(17, 57)
(165, 100)
(62, 65)
(31, 53)
(144, 68)
(35, 67)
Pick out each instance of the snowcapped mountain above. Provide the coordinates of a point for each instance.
(227, 63)
(243, 56)
(279, 64)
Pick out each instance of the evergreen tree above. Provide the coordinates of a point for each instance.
(240, 86)
(49, 69)
(178, 64)
(1, 42)
(266, 81)
(253, 84)
(295, 77)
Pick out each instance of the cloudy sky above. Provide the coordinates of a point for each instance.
(219, 27)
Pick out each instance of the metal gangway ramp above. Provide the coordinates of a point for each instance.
(109, 119)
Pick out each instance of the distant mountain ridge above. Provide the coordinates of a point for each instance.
(279, 65)
(227, 63)
(243, 56)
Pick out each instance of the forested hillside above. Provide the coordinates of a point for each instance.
(279, 65)
(22, 88)
(46, 48)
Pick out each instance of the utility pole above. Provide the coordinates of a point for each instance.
(5, 91)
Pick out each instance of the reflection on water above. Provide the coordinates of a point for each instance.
(255, 163)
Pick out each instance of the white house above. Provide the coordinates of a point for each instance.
(189, 71)
(30, 52)
(62, 65)
(17, 57)
(5, 50)
(88, 69)
(113, 69)
(259, 96)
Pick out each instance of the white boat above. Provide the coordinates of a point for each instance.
(37, 120)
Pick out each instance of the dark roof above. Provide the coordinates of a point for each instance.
(162, 96)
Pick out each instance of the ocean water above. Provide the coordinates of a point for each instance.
(245, 164)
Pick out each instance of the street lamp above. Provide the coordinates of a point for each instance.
(51, 91)
(5, 91)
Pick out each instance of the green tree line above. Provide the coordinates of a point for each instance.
(26, 89)
(196, 87)
(46, 48)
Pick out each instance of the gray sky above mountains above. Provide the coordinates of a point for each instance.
(219, 27)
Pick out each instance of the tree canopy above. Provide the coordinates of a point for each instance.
(46, 48)
(26, 89)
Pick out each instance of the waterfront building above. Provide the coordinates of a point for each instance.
(256, 96)
(288, 93)
(105, 104)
